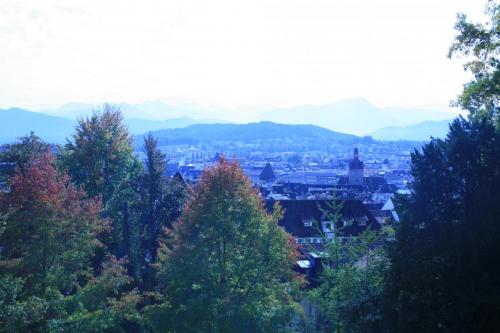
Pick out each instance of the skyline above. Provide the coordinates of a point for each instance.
(263, 54)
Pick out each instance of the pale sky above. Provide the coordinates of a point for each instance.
(230, 53)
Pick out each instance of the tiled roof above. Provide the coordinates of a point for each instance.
(298, 211)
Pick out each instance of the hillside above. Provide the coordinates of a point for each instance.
(251, 133)
(15, 122)
(18, 122)
(419, 132)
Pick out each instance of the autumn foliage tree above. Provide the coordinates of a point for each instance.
(228, 265)
(49, 235)
(50, 227)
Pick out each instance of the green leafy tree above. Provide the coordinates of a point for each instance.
(18, 155)
(351, 284)
(99, 159)
(99, 155)
(19, 313)
(480, 43)
(104, 304)
(229, 267)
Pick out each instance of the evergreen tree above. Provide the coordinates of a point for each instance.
(443, 277)
(153, 191)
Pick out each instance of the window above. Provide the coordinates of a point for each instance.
(307, 222)
(327, 226)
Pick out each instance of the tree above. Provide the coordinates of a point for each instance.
(481, 42)
(49, 236)
(230, 265)
(103, 304)
(16, 156)
(99, 159)
(159, 204)
(442, 277)
(350, 291)
(153, 190)
(50, 228)
(100, 154)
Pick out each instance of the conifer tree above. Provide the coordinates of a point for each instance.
(443, 277)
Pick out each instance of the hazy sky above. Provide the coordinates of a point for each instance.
(230, 53)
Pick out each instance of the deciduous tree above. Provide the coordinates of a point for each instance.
(230, 264)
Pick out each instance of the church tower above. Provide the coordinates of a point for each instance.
(356, 170)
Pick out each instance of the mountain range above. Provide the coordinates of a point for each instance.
(151, 110)
(418, 132)
(356, 116)
(15, 122)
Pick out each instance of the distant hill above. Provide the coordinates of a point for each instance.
(419, 132)
(151, 110)
(15, 123)
(140, 126)
(357, 116)
(252, 132)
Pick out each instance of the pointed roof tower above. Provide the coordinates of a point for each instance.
(267, 173)
(356, 162)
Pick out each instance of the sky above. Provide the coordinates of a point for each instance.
(239, 55)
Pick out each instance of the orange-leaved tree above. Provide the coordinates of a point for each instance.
(227, 266)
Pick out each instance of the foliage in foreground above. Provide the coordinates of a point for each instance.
(227, 266)
(349, 296)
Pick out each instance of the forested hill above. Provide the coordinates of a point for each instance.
(252, 132)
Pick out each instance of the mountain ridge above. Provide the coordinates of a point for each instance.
(251, 132)
(418, 132)
(356, 116)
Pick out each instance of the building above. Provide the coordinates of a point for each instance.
(356, 170)
(309, 221)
